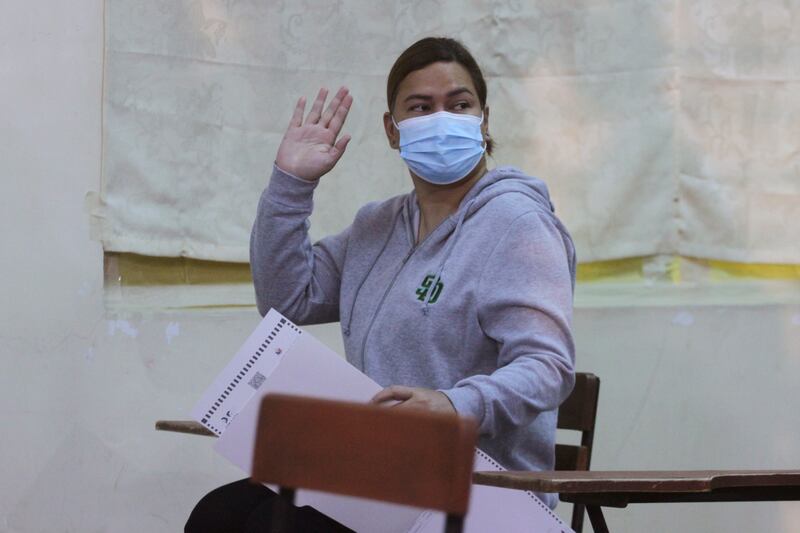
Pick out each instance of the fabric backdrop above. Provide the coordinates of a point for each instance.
(660, 126)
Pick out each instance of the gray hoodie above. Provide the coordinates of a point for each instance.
(480, 309)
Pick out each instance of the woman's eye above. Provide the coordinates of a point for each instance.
(418, 108)
(461, 106)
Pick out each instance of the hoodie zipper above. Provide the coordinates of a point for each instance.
(378, 309)
(386, 293)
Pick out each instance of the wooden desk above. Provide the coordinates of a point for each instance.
(184, 426)
(620, 488)
(596, 488)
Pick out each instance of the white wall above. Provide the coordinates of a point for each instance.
(710, 387)
(82, 382)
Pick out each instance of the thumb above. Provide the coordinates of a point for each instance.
(393, 392)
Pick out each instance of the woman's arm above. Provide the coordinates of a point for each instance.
(300, 280)
(529, 315)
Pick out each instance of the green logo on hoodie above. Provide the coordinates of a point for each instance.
(422, 291)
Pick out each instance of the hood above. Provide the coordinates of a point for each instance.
(504, 180)
(501, 180)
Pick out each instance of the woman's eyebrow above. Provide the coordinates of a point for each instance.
(458, 91)
(427, 97)
(417, 97)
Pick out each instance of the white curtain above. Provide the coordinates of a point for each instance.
(739, 180)
(660, 126)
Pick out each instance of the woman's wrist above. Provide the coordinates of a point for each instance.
(290, 170)
(287, 189)
(285, 170)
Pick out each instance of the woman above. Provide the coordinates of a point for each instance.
(456, 297)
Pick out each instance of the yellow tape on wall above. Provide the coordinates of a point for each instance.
(726, 270)
(629, 269)
(632, 269)
(133, 269)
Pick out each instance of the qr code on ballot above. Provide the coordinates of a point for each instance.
(256, 381)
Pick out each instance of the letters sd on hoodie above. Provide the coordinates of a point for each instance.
(481, 309)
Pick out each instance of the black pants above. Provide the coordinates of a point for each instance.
(244, 507)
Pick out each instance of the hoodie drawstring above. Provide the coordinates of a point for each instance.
(346, 330)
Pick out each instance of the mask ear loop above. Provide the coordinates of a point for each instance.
(397, 127)
(485, 140)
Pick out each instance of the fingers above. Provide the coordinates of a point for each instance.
(395, 392)
(316, 108)
(340, 146)
(334, 116)
(333, 106)
(297, 115)
(338, 118)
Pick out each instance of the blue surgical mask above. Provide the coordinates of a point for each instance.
(441, 148)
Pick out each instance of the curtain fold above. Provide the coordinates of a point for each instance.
(660, 126)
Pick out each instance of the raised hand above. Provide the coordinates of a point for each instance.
(310, 148)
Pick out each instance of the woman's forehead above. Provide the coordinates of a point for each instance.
(437, 79)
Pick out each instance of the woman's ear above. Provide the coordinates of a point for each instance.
(485, 123)
(392, 135)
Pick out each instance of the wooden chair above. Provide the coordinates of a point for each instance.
(407, 457)
(578, 413)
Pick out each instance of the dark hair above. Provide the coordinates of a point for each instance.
(432, 50)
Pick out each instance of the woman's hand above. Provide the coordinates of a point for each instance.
(415, 398)
(309, 148)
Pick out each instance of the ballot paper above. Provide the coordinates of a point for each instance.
(279, 357)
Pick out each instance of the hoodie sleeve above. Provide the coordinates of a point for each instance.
(298, 279)
(525, 305)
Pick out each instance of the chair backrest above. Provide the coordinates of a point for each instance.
(402, 456)
(578, 413)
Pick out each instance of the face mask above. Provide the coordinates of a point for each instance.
(441, 148)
